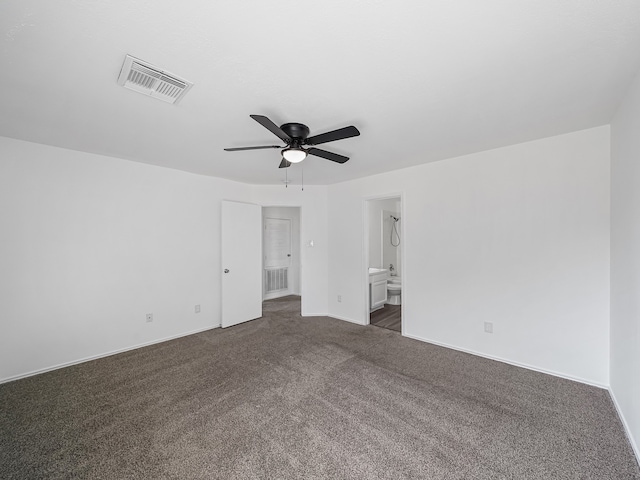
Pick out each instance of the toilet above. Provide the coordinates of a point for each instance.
(394, 291)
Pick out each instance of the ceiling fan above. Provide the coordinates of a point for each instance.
(295, 135)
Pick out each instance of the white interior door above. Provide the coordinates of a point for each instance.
(241, 262)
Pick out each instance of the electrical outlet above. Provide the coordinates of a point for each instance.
(488, 327)
(149, 317)
(197, 308)
(339, 298)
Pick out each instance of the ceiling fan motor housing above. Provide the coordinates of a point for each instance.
(297, 131)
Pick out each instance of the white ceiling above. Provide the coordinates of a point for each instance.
(422, 80)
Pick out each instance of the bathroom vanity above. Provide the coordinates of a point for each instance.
(377, 287)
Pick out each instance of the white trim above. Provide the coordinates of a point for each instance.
(313, 315)
(292, 291)
(345, 319)
(627, 430)
(511, 362)
(365, 261)
(365, 251)
(102, 355)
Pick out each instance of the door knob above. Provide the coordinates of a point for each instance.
(226, 270)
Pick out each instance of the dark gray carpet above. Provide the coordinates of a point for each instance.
(287, 397)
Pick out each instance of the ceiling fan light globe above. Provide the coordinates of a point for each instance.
(294, 155)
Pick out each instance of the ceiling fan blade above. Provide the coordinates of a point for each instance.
(272, 127)
(284, 164)
(235, 149)
(334, 157)
(346, 132)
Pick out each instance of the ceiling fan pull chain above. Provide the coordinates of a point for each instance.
(286, 178)
(302, 167)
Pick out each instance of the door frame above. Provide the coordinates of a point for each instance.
(300, 250)
(365, 253)
(265, 239)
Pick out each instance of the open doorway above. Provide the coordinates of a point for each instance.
(281, 257)
(384, 232)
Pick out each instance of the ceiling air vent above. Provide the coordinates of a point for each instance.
(150, 80)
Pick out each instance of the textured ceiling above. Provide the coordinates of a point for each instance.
(422, 80)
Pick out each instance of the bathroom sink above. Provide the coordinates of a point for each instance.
(376, 271)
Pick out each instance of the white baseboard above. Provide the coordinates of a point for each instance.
(511, 362)
(337, 317)
(102, 355)
(627, 430)
(350, 320)
(313, 314)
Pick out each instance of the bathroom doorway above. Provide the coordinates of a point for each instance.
(384, 258)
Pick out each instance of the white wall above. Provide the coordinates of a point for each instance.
(90, 244)
(517, 236)
(625, 261)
